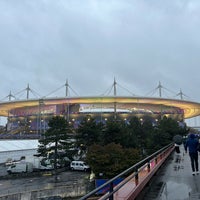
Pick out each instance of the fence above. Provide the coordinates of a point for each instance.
(133, 184)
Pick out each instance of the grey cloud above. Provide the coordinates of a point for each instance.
(139, 42)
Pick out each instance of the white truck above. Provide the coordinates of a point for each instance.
(22, 167)
(38, 165)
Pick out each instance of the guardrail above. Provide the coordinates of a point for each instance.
(133, 184)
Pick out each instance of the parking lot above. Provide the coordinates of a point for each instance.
(16, 184)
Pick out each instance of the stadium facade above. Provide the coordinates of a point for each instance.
(32, 115)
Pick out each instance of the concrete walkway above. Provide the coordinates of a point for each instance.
(174, 180)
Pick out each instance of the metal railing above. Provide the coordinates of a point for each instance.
(147, 163)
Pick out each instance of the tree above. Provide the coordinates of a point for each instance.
(113, 132)
(133, 133)
(117, 144)
(89, 132)
(111, 159)
(147, 130)
(163, 134)
(170, 126)
(54, 139)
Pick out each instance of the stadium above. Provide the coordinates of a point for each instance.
(31, 116)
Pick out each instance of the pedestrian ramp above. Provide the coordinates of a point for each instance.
(176, 179)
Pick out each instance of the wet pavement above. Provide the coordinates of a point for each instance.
(175, 181)
(44, 182)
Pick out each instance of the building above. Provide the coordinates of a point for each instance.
(32, 115)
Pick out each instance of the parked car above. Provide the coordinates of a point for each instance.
(79, 165)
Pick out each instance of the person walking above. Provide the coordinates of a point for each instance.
(192, 144)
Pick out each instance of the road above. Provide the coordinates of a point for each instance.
(16, 185)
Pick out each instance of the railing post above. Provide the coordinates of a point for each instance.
(148, 166)
(136, 176)
(111, 190)
(156, 160)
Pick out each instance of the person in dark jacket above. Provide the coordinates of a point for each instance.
(192, 144)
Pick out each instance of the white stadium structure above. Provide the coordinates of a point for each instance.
(32, 115)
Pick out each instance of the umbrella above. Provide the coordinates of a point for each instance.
(178, 139)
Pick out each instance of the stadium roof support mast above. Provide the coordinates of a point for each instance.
(67, 88)
(27, 91)
(160, 95)
(10, 96)
(115, 94)
(160, 91)
(115, 89)
(66, 94)
(181, 94)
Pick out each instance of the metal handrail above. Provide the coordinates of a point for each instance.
(134, 168)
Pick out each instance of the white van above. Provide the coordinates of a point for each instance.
(21, 167)
(79, 165)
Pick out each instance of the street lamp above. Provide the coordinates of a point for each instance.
(40, 103)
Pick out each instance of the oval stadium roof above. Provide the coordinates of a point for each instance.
(191, 109)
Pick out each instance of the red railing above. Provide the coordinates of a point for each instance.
(133, 184)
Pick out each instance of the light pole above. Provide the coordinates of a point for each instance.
(40, 103)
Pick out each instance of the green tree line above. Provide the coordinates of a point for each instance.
(112, 146)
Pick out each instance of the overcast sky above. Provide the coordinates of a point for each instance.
(139, 42)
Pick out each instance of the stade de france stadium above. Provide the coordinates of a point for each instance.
(32, 115)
